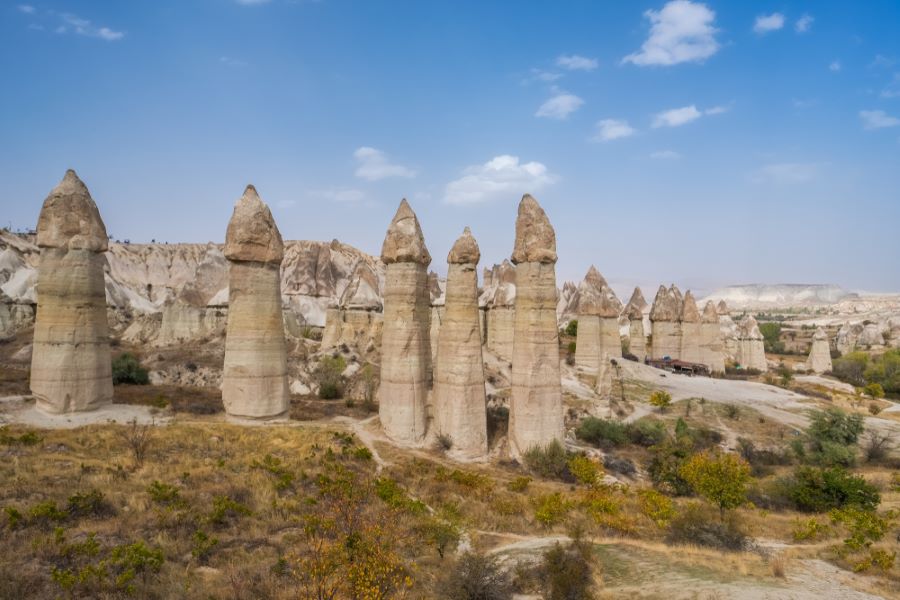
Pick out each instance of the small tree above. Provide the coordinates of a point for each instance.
(661, 400)
(572, 328)
(126, 368)
(874, 391)
(719, 477)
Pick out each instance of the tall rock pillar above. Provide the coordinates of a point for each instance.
(405, 347)
(71, 369)
(690, 330)
(536, 414)
(665, 330)
(254, 379)
(712, 341)
(819, 360)
(460, 409)
(637, 337)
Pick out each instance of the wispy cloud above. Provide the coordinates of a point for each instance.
(501, 177)
(676, 117)
(786, 173)
(804, 23)
(229, 61)
(801, 103)
(374, 165)
(682, 31)
(766, 23)
(576, 63)
(892, 89)
(835, 66)
(341, 195)
(612, 129)
(559, 106)
(665, 155)
(80, 26)
(542, 76)
(877, 119)
(252, 2)
(882, 62)
(26, 8)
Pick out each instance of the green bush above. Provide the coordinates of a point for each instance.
(550, 461)
(771, 333)
(476, 577)
(603, 433)
(831, 438)
(665, 465)
(572, 328)
(646, 432)
(818, 490)
(329, 377)
(566, 572)
(126, 368)
(696, 525)
(551, 509)
(89, 504)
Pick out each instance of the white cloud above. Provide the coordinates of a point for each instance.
(717, 110)
(676, 116)
(835, 66)
(252, 2)
(892, 90)
(501, 177)
(229, 61)
(374, 165)
(84, 27)
(340, 195)
(877, 119)
(559, 106)
(803, 104)
(766, 23)
(665, 155)
(804, 23)
(613, 129)
(681, 32)
(541, 75)
(576, 63)
(26, 8)
(786, 173)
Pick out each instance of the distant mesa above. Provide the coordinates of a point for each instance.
(783, 295)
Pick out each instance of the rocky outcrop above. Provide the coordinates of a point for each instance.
(690, 330)
(254, 380)
(459, 396)
(356, 320)
(712, 342)
(71, 367)
(751, 353)
(536, 415)
(405, 348)
(722, 308)
(634, 312)
(598, 338)
(498, 301)
(819, 360)
(665, 328)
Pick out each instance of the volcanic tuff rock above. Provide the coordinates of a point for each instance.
(690, 330)
(71, 367)
(751, 350)
(665, 329)
(459, 396)
(405, 348)
(499, 300)
(254, 380)
(598, 337)
(712, 342)
(535, 415)
(819, 360)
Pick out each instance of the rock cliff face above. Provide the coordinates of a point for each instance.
(405, 349)
(634, 312)
(819, 360)
(71, 367)
(780, 295)
(751, 350)
(498, 301)
(598, 338)
(712, 342)
(536, 415)
(459, 396)
(690, 330)
(254, 379)
(665, 326)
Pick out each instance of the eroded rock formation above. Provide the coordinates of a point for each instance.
(665, 328)
(71, 367)
(254, 379)
(459, 396)
(536, 415)
(712, 342)
(405, 348)
(499, 303)
(751, 353)
(690, 330)
(634, 311)
(819, 360)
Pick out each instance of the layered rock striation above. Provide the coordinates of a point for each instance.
(819, 360)
(712, 342)
(536, 414)
(751, 352)
(71, 368)
(254, 379)
(665, 327)
(634, 312)
(690, 330)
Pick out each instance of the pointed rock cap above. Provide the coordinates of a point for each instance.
(70, 219)
(689, 311)
(252, 235)
(635, 307)
(535, 238)
(748, 329)
(404, 242)
(722, 308)
(595, 278)
(465, 250)
(820, 335)
(666, 306)
(710, 314)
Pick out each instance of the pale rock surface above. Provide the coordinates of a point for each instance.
(254, 379)
(665, 328)
(599, 340)
(405, 348)
(637, 337)
(712, 342)
(499, 302)
(690, 330)
(536, 413)
(819, 360)
(722, 308)
(71, 367)
(751, 349)
(459, 393)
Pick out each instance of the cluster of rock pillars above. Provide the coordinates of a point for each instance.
(423, 394)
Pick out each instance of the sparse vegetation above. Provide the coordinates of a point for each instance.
(126, 368)
(329, 377)
(661, 400)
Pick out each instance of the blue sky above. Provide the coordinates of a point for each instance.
(701, 143)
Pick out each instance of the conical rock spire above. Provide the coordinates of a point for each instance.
(252, 235)
(404, 241)
(535, 237)
(70, 219)
(465, 250)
